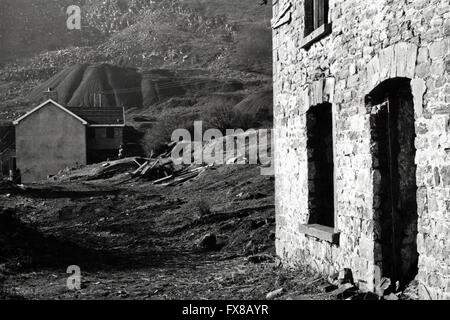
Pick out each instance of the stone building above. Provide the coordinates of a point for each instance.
(362, 139)
(51, 138)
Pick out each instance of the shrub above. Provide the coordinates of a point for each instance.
(222, 115)
(159, 135)
(204, 207)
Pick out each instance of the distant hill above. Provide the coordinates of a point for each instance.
(219, 36)
(164, 60)
(31, 27)
(93, 86)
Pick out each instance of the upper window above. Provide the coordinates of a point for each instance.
(316, 20)
(316, 15)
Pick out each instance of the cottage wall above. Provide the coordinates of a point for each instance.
(370, 43)
(98, 139)
(48, 141)
(102, 147)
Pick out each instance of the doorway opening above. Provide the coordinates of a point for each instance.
(393, 152)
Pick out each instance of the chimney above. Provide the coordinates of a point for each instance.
(98, 97)
(51, 94)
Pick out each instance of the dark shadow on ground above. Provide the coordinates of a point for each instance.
(26, 248)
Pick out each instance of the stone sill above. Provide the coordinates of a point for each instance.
(316, 35)
(320, 232)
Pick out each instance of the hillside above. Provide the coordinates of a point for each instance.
(136, 32)
(30, 27)
(167, 62)
(206, 43)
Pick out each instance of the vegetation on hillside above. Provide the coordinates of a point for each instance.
(228, 39)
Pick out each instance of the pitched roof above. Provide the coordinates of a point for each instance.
(43, 105)
(88, 116)
(100, 116)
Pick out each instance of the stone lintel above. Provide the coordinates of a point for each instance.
(318, 92)
(395, 61)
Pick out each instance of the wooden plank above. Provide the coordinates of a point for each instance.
(163, 180)
(136, 172)
(148, 168)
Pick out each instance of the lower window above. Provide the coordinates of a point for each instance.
(320, 165)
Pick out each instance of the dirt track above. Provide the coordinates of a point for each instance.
(139, 241)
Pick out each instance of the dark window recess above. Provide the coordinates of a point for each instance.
(110, 133)
(320, 165)
(316, 15)
(91, 133)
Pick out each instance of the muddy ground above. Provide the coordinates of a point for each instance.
(136, 240)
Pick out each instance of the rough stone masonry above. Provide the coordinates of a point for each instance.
(381, 68)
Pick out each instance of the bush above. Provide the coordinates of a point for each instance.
(156, 138)
(204, 207)
(223, 116)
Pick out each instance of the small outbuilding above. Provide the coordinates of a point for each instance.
(51, 138)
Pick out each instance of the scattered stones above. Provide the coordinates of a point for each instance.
(364, 296)
(333, 279)
(208, 242)
(391, 296)
(345, 291)
(383, 286)
(412, 291)
(99, 211)
(345, 276)
(329, 288)
(259, 258)
(275, 294)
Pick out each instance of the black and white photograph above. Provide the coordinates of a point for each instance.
(232, 156)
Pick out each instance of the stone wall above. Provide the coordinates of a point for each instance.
(370, 42)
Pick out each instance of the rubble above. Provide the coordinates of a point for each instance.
(391, 296)
(207, 243)
(345, 276)
(259, 258)
(275, 294)
(383, 286)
